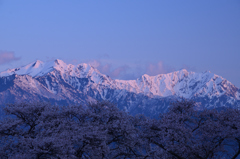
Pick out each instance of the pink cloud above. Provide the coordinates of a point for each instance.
(109, 70)
(189, 68)
(7, 57)
(153, 69)
(120, 71)
(131, 71)
(95, 63)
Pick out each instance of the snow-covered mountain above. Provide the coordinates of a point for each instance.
(63, 83)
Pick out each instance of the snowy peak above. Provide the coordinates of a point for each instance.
(179, 83)
(31, 69)
(67, 71)
(37, 64)
(39, 68)
(60, 82)
(59, 62)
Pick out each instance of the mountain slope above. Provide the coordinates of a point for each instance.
(57, 82)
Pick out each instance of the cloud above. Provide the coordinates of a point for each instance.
(153, 69)
(117, 69)
(7, 57)
(109, 69)
(120, 71)
(189, 68)
(130, 71)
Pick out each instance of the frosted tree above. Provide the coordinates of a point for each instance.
(184, 132)
(99, 130)
(113, 130)
(24, 133)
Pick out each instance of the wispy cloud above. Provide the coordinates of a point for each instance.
(116, 69)
(160, 67)
(189, 68)
(130, 71)
(7, 57)
(109, 69)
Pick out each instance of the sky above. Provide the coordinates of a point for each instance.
(124, 39)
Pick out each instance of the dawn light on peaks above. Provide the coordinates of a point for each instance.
(119, 79)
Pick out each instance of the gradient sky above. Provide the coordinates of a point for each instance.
(124, 38)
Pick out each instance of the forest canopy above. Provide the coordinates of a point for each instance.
(101, 130)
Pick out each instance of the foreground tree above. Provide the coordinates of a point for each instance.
(184, 132)
(38, 130)
(100, 130)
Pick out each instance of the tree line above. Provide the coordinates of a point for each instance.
(100, 130)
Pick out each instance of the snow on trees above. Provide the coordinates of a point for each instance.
(100, 130)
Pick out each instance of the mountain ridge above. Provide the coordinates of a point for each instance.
(82, 83)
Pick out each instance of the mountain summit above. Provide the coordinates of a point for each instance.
(62, 83)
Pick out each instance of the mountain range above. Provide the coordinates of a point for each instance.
(61, 83)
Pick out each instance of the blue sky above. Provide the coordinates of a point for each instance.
(124, 39)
